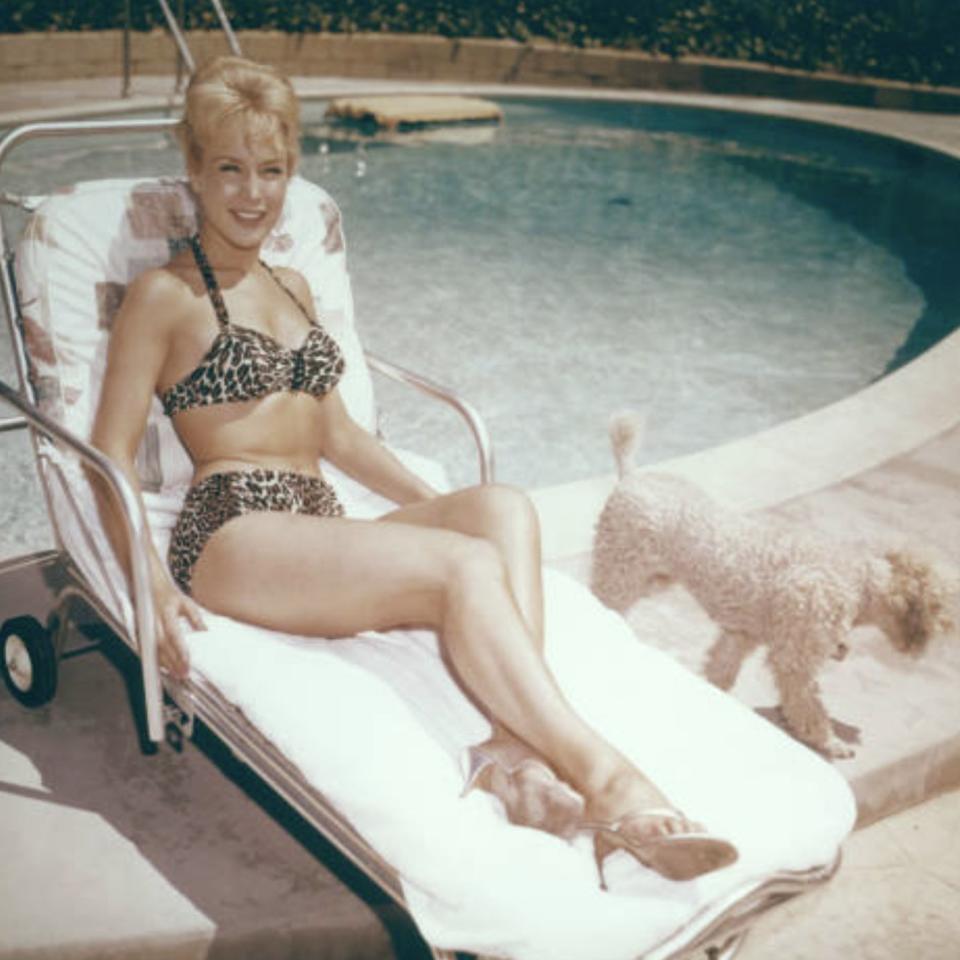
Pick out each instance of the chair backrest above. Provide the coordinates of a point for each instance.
(74, 260)
(83, 246)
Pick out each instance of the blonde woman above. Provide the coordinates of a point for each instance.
(249, 378)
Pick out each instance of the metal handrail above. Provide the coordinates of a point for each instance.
(227, 29)
(65, 128)
(467, 410)
(134, 529)
(179, 39)
(125, 86)
(8, 424)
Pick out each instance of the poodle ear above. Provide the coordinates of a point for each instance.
(627, 430)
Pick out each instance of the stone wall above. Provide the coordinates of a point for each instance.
(51, 56)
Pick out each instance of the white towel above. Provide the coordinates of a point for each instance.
(376, 723)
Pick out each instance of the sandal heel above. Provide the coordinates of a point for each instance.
(675, 856)
(601, 850)
(477, 762)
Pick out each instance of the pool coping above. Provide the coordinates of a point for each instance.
(896, 414)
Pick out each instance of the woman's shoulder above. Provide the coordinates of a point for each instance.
(296, 283)
(159, 293)
(292, 277)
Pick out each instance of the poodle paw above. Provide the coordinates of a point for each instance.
(836, 749)
(721, 677)
(835, 744)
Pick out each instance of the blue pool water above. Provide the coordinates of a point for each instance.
(720, 271)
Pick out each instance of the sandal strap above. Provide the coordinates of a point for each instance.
(615, 826)
(478, 760)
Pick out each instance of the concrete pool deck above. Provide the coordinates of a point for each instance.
(885, 461)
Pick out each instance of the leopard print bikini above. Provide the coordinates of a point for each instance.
(223, 496)
(245, 364)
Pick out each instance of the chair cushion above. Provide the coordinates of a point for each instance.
(84, 245)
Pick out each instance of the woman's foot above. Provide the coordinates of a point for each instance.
(531, 793)
(633, 816)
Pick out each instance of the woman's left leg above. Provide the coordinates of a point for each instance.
(503, 765)
(505, 517)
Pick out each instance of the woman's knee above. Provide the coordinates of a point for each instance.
(500, 506)
(473, 563)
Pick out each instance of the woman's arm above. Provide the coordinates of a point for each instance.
(139, 342)
(362, 456)
(348, 446)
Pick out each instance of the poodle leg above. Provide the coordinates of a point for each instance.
(726, 656)
(616, 567)
(795, 668)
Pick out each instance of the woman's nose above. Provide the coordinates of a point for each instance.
(252, 186)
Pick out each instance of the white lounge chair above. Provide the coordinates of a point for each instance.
(365, 736)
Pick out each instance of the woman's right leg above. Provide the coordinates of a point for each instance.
(503, 764)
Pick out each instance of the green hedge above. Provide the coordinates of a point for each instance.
(914, 40)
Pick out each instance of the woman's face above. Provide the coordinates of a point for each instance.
(241, 182)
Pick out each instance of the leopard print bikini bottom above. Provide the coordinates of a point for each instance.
(223, 496)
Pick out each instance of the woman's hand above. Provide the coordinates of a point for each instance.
(170, 605)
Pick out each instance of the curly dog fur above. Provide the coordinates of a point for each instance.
(761, 582)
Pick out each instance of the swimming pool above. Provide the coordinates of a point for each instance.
(721, 271)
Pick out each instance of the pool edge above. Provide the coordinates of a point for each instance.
(893, 416)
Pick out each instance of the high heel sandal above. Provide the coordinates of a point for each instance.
(480, 759)
(676, 856)
(567, 807)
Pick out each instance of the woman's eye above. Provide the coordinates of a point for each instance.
(228, 168)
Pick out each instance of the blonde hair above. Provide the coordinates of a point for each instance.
(230, 87)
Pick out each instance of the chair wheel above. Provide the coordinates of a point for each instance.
(28, 661)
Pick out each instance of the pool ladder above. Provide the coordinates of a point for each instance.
(176, 31)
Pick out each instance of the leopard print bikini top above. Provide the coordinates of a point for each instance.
(245, 364)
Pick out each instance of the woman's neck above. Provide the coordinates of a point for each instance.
(225, 256)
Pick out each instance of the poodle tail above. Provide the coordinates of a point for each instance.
(626, 433)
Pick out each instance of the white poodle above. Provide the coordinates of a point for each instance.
(761, 582)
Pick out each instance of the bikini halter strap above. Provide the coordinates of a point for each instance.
(210, 281)
(273, 273)
(213, 288)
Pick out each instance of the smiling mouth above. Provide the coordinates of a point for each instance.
(249, 217)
